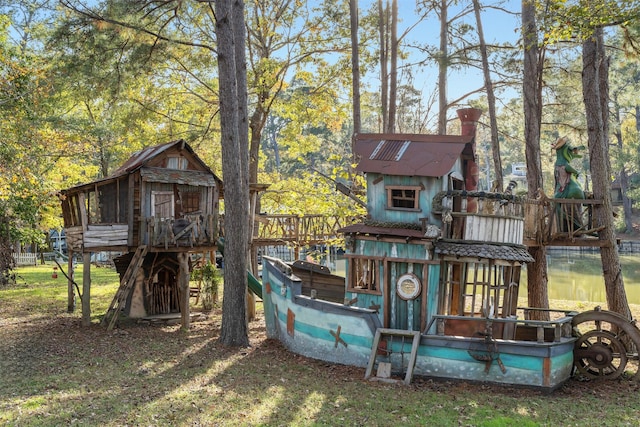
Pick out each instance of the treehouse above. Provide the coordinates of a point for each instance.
(160, 206)
(433, 277)
(164, 197)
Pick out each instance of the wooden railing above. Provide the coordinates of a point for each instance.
(561, 221)
(509, 219)
(192, 230)
(299, 230)
(480, 216)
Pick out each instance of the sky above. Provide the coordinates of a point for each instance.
(498, 27)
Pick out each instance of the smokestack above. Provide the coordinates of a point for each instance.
(468, 120)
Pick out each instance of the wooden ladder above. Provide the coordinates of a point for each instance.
(128, 279)
(385, 332)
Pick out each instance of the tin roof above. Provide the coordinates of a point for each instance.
(483, 250)
(140, 158)
(411, 154)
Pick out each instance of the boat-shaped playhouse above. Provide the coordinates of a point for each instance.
(433, 279)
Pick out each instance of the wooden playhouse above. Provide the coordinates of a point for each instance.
(157, 210)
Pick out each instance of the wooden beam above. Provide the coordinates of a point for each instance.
(71, 296)
(86, 289)
(183, 285)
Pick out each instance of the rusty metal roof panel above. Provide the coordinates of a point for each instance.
(140, 158)
(411, 154)
(484, 250)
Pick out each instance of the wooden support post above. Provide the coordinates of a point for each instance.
(71, 295)
(183, 285)
(86, 289)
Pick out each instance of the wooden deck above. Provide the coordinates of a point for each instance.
(535, 222)
(544, 222)
(562, 222)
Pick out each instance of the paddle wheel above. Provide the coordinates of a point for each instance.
(607, 345)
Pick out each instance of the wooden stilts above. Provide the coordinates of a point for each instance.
(183, 284)
(71, 295)
(86, 289)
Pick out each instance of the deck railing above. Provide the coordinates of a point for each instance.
(299, 230)
(561, 220)
(480, 216)
(510, 219)
(192, 230)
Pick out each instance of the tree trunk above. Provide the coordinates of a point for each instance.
(595, 96)
(384, 83)
(393, 77)
(532, 101)
(7, 263)
(355, 70)
(229, 24)
(623, 179)
(442, 70)
(491, 100)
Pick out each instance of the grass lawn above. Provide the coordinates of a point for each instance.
(54, 372)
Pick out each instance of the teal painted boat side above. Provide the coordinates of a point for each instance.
(452, 358)
(342, 334)
(315, 328)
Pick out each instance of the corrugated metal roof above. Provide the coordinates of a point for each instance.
(140, 158)
(483, 250)
(411, 154)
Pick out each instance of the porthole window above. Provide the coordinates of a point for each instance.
(408, 286)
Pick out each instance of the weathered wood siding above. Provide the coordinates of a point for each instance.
(494, 229)
(397, 259)
(74, 238)
(106, 235)
(377, 203)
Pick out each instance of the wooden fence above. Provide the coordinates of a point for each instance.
(26, 258)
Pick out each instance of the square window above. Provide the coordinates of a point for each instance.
(405, 197)
(177, 163)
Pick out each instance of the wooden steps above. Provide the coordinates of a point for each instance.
(126, 284)
(384, 368)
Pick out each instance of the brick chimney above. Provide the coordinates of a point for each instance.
(468, 122)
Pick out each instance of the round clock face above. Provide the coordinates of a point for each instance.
(408, 286)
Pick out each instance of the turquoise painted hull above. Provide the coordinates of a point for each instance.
(341, 334)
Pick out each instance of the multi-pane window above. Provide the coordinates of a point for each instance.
(403, 197)
(191, 202)
(364, 274)
(479, 289)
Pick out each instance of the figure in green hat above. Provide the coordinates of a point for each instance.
(567, 186)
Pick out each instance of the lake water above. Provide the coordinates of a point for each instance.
(575, 276)
(578, 276)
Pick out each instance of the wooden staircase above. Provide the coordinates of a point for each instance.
(126, 283)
